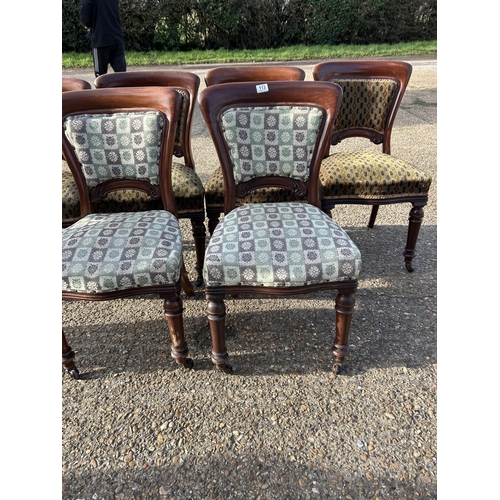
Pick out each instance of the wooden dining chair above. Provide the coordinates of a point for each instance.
(214, 188)
(274, 135)
(373, 91)
(188, 188)
(123, 139)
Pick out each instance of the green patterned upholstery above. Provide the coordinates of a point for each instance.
(107, 252)
(285, 153)
(370, 175)
(279, 244)
(123, 145)
(364, 103)
(271, 140)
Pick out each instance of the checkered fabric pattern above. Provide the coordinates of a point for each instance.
(107, 252)
(124, 145)
(279, 244)
(277, 140)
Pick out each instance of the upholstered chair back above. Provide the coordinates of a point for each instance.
(270, 135)
(372, 93)
(118, 139)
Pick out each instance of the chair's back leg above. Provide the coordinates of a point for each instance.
(199, 236)
(373, 216)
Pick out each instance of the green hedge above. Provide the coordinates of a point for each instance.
(259, 24)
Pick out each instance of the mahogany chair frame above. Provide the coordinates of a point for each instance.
(400, 72)
(102, 101)
(235, 74)
(190, 83)
(213, 102)
(70, 83)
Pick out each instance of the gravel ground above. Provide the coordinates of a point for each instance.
(281, 427)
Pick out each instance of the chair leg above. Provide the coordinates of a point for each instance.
(186, 284)
(67, 358)
(173, 312)
(344, 307)
(216, 312)
(213, 219)
(415, 221)
(373, 216)
(199, 235)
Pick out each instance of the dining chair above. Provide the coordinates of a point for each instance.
(187, 186)
(214, 188)
(70, 201)
(123, 139)
(274, 135)
(373, 91)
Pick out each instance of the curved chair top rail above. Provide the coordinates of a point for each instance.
(161, 78)
(70, 83)
(228, 74)
(399, 70)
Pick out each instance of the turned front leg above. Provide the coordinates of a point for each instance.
(344, 307)
(216, 313)
(173, 313)
(68, 357)
(415, 221)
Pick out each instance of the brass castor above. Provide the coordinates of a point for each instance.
(409, 267)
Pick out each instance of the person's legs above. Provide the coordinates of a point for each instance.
(101, 60)
(117, 58)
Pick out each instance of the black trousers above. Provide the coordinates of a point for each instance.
(112, 55)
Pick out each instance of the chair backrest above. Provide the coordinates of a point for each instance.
(228, 74)
(373, 91)
(69, 83)
(120, 139)
(184, 82)
(270, 135)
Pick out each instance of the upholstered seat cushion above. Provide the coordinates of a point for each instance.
(214, 193)
(107, 252)
(370, 175)
(279, 244)
(187, 186)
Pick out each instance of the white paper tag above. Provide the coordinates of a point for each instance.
(262, 88)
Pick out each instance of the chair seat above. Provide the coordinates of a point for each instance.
(370, 175)
(279, 244)
(108, 252)
(187, 186)
(214, 193)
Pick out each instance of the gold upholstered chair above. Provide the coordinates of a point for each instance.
(373, 91)
(274, 135)
(214, 188)
(123, 139)
(187, 186)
